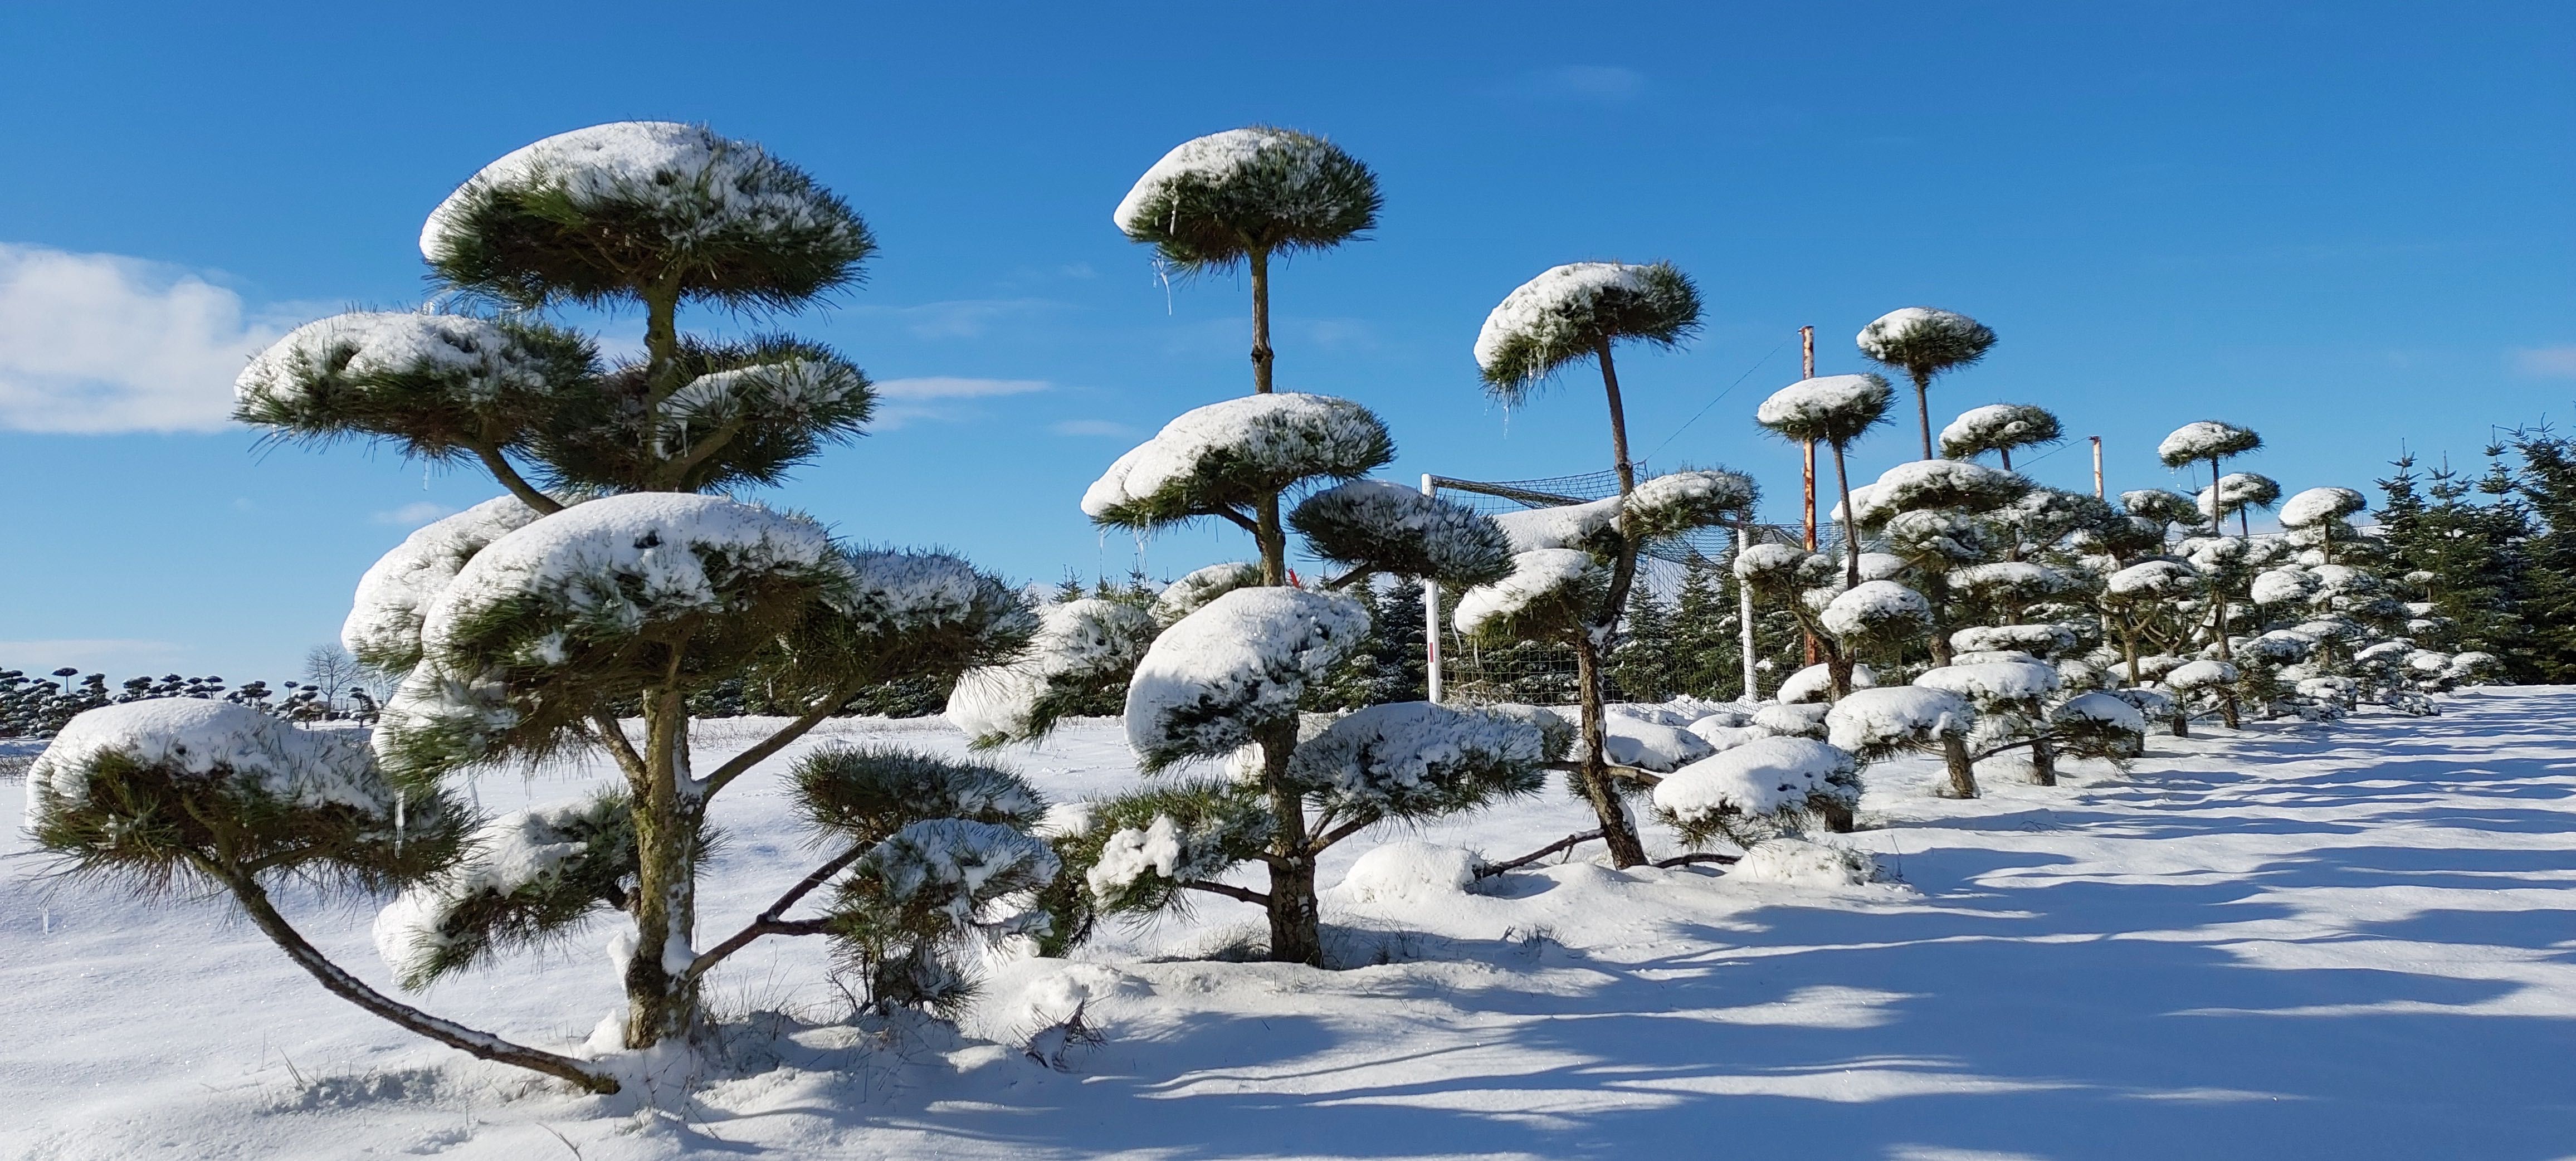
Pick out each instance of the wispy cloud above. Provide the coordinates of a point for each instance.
(1100, 427)
(2558, 362)
(936, 397)
(1587, 84)
(964, 318)
(412, 515)
(99, 343)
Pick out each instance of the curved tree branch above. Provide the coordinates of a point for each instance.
(1248, 895)
(1567, 843)
(509, 477)
(769, 923)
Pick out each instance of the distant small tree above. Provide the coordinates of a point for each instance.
(330, 667)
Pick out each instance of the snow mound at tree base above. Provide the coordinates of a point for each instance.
(1416, 871)
(1805, 863)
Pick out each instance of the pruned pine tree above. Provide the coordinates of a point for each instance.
(1925, 343)
(2001, 428)
(1567, 314)
(1221, 680)
(1876, 724)
(2214, 442)
(1933, 515)
(1834, 410)
(604, 584)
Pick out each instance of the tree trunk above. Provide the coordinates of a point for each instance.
(1273, 539)
(263, 914)
(1851, 539)
(1295, 934)
(1261, 353)
(661, 999)
(1618, 419)
(2181, 722)
(1923, 407)
(2043, 763)
(1963, 770)
(1838, 817)
(1626, 849)
(1936, 592)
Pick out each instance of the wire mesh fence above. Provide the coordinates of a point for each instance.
(1683, 623)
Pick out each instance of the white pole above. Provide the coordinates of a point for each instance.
(1744, 608)
(1431, 615)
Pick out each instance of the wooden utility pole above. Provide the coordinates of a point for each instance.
(2097, 468)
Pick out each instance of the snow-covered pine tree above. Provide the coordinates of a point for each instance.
(2001, 428)
(2215, 442)
(526, 624)
(1929, 512)
(1925, 343)
(1567, 314)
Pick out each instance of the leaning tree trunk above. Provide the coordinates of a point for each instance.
(1261, 353)
(1618, 833)
(1296, 934)
(1963, 769)
(1838, 660)
(661, 997)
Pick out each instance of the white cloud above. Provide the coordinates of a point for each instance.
(1597, 84)
(1091, 427)
(97, 343)
(949, 387)
(2557, 362)
(412, 515)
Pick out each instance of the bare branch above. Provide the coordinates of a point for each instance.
(1567, 843)
(769, 923)
(1231, 892)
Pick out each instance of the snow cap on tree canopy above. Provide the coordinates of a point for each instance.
(1227, 455)
(601, 572)
(1211, 683)
(1184, 596)
(203, 740)
(1919, 484)
(1592, 526)
(1877, 723)
(523, 876)
(2237, 491)
(2162, 505)
(1081, 646)
(1995, 683)
(2206, 439)
(1419, 758)
(609, 211)
(2283, 586)
(2319, 505)
(1387, 527)
(1570, 311)
(1764, 776)
(1999, 427)
(1877, 610)
(2151, 579)
(2202, 674)
(440, 384)
(383, 626)
(2008, 580)
(1922, 340)
(1549, 588)
(1214, 200)
(1767, 562)
(1816, 682)
(1833, 409)
(2033, 640)
(1678, 502)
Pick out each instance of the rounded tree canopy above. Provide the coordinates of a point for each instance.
(383, 626)
(1833, 409)
(2008, 580)
(1877, 612)
(1081, 647)
(1924, 341)
(1184, 596)
(1919, 485)
(440, 385)
(2151, 580)
(1386, 527)
(1764, 776)
(747, 411)
(1880, 723)
(2237, 491)
(1214, 201)
(1418, 759)
(2162, 505)
(1570, 311)
(622, 210)
(1225, 456)
(1679, 502)
(1993, 684)
(2206, 439)
(1999, 427)
(1209, 685)
(2320, 505)
(1549, 590)
(1938, 540)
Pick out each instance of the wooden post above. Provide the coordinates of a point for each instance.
(2097, 468)
(1744, 610)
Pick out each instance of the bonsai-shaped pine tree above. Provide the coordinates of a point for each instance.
(1876, 724)
(1926, 509)
(2319, 513)
(532, 623)
(2215, 442)
(1229, 658)
(2001, 428)
(1566, 315)
(1566, 563)
(1834, 410)
(1923, 343)
(2239, 494)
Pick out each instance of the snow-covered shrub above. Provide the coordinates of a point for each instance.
(1800, 862)
(1879, 723)
(1368, 524)
(1759, 789)
(525, 877)
(1078, 662)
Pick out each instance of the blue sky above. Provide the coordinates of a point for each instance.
(2346, 225)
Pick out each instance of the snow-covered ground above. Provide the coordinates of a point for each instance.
(2350, 940)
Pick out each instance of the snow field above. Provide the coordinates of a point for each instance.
(2346, 940)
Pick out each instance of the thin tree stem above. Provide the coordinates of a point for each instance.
(1262, 356)
(1618, 418)
(769, 922)
(518, 485)
(1923, 408)
(1569, 842)
(263, 914)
